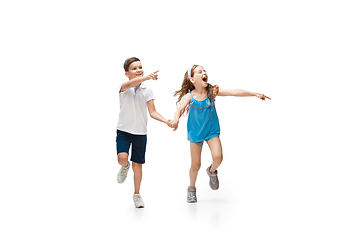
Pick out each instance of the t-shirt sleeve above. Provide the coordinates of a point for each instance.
(150, 95)
(122, 81)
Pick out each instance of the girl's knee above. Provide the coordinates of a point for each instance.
(195, 166)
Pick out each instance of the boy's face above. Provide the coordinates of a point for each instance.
(135, 70)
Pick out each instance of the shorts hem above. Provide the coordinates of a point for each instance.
(200, 143)
(137, 162)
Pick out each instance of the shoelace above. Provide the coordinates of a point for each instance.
(213, 179)
(192, 194)
(123, 170)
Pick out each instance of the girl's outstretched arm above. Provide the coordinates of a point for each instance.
(180, 111)
(241, 93)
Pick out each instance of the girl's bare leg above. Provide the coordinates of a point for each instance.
(216, 153)
(195, 151)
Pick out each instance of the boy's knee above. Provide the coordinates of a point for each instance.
(123, 159)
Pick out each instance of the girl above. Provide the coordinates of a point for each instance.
(203, 124)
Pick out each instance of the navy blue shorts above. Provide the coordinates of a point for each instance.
(137, 142)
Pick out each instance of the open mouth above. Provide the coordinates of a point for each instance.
(205, 78)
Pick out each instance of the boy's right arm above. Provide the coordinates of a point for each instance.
(136, 81)
(180, 111)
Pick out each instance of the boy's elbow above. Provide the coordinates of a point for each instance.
(152, 114)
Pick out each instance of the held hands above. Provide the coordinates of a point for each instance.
(153, 75)
(172, 124)
(262, 96)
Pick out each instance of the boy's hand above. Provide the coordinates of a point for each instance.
(262, 97)
(153, 75)
(172, 124)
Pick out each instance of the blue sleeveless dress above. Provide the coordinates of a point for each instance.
(203, 123)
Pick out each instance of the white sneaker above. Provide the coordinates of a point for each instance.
(123, 173)
(139, 203)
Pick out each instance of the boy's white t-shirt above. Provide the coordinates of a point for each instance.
(133, 109)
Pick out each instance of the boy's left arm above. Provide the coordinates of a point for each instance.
(241, 93)
(155, 115)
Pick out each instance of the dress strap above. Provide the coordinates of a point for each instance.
(190, 93)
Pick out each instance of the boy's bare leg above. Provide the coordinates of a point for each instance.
(123, 159)
(137, 168)
(195, 151)
(216, 153)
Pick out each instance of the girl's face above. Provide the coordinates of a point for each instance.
(135, 70)
(200, 78)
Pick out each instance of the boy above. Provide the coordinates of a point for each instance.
(135, 99)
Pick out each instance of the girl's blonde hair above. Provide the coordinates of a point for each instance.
(187, 85)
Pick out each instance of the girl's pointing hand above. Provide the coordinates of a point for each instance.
(262, 97)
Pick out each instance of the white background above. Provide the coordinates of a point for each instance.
(291, 165)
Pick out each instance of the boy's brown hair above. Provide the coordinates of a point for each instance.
(130, 61)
